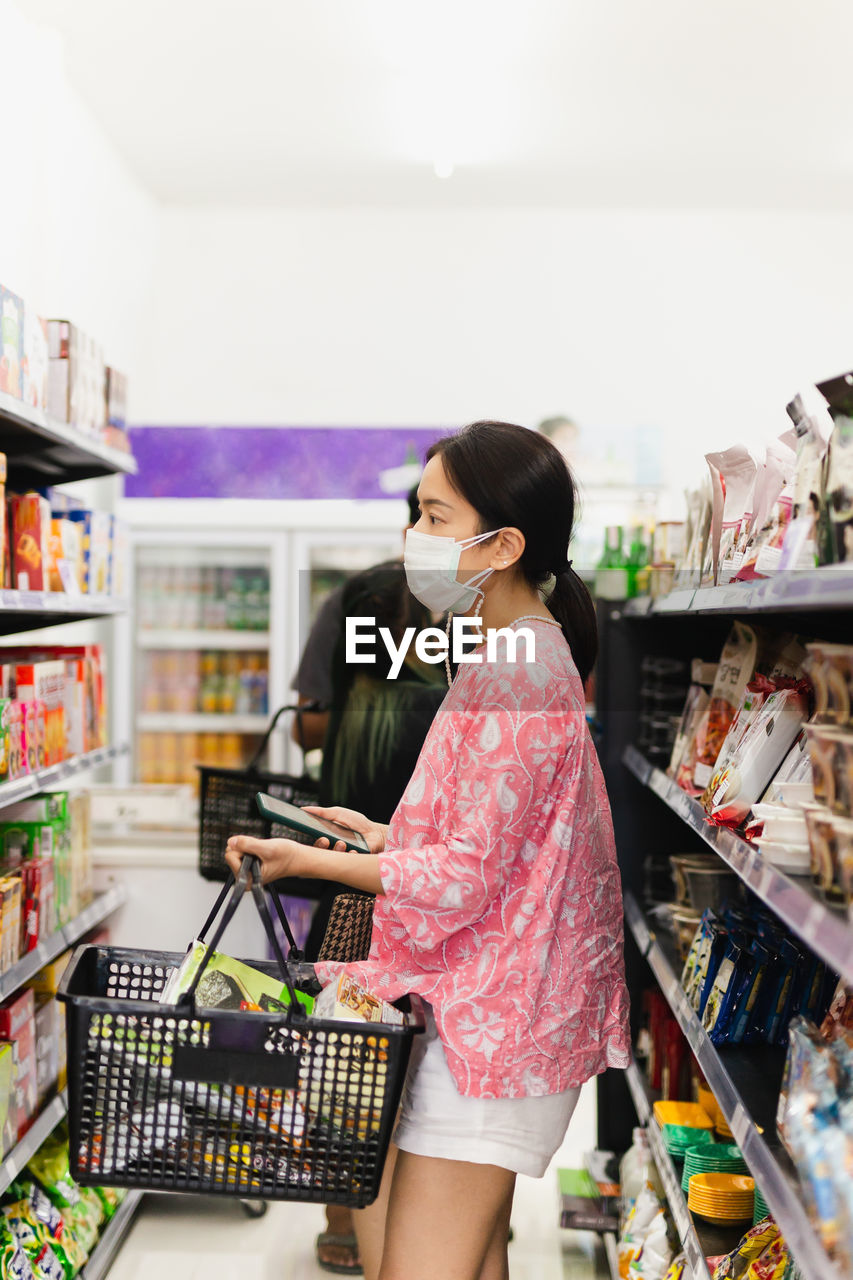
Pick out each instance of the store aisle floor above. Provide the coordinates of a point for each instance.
(195, 1238)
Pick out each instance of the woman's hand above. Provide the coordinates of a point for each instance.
(373, 832)
(278, 857)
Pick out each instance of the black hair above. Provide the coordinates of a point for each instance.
(516, 478)
(414, 507)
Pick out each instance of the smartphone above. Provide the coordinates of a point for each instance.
(290, 815)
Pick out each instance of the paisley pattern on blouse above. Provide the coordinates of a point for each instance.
(503, 904)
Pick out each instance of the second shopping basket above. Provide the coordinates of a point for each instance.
(273, 1106)
(227, 807)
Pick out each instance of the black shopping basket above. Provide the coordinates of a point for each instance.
(270, 1106)
(228, 808)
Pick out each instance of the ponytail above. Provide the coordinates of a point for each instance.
(572, 606)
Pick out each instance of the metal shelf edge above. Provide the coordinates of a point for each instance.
(780, 1194)
(612, 1254)
(49, 948)
(821, 928)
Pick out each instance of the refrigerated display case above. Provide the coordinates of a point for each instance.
(225, 593)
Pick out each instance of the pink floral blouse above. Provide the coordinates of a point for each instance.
(502, 902)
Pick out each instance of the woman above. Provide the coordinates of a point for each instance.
(499, 896)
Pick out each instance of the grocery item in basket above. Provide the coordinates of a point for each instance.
(347, 1000)
(276, 1111)
(736, 669)
(736, 1264)
(756, 757)
(226, 983)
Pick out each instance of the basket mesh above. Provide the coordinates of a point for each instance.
(304, 1112)
(228, 808)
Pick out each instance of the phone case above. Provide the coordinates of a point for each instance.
(288, 821)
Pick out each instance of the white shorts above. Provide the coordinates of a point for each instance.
(520, 1134)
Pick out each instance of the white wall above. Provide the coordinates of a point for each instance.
(702, 323)
(77, 231)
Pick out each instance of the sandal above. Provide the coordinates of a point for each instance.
(347, 1243)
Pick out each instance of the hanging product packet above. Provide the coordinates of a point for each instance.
(813, 426)
(697, 533)
(838, 470)
(759, 753)
(749, 1249)
(773, 502)
(694, 707)
(637, 1224)
(736, 468)
(735, 670)
(753, 697)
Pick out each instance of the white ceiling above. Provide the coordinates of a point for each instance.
(549, 102)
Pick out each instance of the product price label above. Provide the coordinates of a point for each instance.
(740, 1124)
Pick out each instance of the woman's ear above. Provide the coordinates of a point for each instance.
(507, 549)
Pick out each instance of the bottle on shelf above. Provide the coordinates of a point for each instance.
(636, 1169)
(611, 574)
(637, 559)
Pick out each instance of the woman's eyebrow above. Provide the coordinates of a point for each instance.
(434, 502)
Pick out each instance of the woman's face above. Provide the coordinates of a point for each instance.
(446, 514)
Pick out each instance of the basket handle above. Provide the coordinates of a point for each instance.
(249, 866)
(299, 710)
(294, 953)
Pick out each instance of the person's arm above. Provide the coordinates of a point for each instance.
(313, 679)
(280, 858)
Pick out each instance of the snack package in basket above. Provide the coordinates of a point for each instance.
(347, 1000)
(228, 984)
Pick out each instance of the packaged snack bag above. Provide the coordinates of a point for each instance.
(694, 707)
(736, 1264)
(736, 668)
(639, 1220)
(754, 759)
(772, 505)
(736, 468)
(656, 1253)
(838, 484)
(227, 983)
(14, 1262)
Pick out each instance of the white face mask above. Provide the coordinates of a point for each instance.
(431, 562)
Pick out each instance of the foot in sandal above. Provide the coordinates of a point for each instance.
(338, 1253)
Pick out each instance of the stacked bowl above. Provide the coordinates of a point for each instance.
(718, 1157)
(721, 1198)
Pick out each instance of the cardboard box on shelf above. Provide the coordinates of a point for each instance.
(4, 525)
(118, 558)
(48, 1027)
(63, 374)
(95, 536)
(35, 364)
(11, 894)
(47, 980)
(115, 385)
(11, 343)
(66, 569)
(17, 1026)
(34, 739)
(8, 1112)
(30, 535)
(44, 682)
(13, 720)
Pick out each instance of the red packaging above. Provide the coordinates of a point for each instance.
(17, 1025)
(37, 913)
(30, 541)
(44, 682)
(34, 736)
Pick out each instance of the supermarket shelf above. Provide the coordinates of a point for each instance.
(745, 1083)
(41, 1128)
(41, 451)
(611, 1253)
(32, 784)
(829, 587)
(794, 900)
(27, 610)
(112, 1238)
(689, 1232)
(176, 722)
(49, 948)
(187, 639)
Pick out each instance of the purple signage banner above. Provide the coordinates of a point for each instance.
(272, 462)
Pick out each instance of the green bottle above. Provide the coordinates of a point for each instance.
(611, 574)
